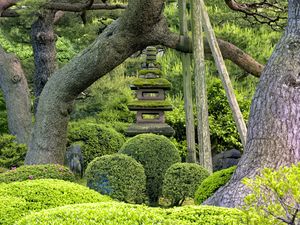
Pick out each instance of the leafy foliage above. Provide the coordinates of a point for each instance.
(3, 116)
(33, 172)
(156, 153)
(96, 139)
(119, 176)
(181, 181)
(97, 214)
(205, 215)
(275, 196)
(35, 195)
(212, 183)
(12, 154)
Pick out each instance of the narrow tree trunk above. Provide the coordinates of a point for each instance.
(44, 51)
(274, 125)
(200, 84)
(13, 83)
(187, 88)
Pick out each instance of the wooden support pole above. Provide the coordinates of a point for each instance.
(237, 115)
(187, 88)
(205, 157)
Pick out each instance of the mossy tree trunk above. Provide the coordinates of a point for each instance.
(274, 127)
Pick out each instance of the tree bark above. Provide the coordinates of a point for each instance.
(13, 83)
(273, 132)
(141, 25)
(44, 51)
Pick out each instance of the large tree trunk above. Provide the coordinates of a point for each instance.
(274, 126)
(43, 44)
(141, 25)
(13, 83)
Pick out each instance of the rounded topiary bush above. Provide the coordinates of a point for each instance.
(118, 176)
(97, 214)
(44, 194)
(156, 153)
(96, 140)
(32, 172)
(205, 215)
(12, 154)
(181, 181)
(212, 183)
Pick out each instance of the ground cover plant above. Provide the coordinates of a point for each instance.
(118, 176)
(33, 172)
(34, 195)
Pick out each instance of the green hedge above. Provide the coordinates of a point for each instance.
(32, 172)
(118, 176)
(96, 139)
(98, 214)
(211, 184)
(156, 153)
(12, 154)
(181, 181)
(126, 214)
(42, 194)
(205, 215)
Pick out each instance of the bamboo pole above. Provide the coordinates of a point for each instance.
(187, 88)
(205, 157)
(237, 115)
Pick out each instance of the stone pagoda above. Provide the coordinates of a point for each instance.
(150, 105)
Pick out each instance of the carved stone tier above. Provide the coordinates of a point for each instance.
(156, 128)
(150, 105)
(157, 83)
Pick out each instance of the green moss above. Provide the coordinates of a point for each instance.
(35, 195)
(212, 183)
(118, 176)
(156, 153)
(32, 172)
(146, 71)
(152, 83)
(150, 104)
(181, 181)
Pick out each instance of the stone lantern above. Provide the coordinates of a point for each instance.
(151, 104)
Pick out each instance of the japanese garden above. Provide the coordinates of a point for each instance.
(149, 112)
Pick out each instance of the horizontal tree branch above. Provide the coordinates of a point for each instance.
(78, 7)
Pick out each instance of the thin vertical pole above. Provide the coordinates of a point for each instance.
(205, 157)
(237, 115)
(187, 88)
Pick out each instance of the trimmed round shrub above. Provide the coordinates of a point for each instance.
(43, 194)
(32, 172)
(118, 176)
(205, 215)
(212, 183)
(12, 154)
(181, 181)
(96, 140)
(156, 153)
(97, 214)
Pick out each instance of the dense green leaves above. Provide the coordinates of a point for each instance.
(212, 183)
(181, 181)
(33, 172)
(119, 176)
(12, 154)
(156, 153)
